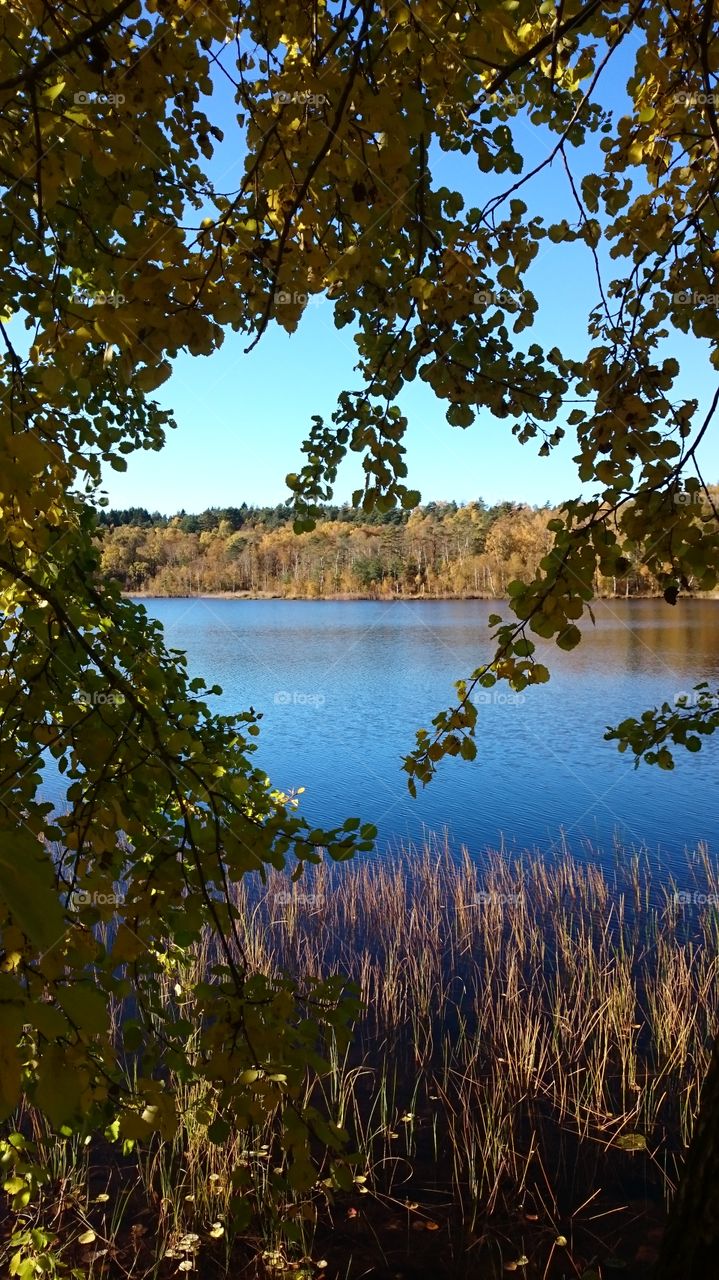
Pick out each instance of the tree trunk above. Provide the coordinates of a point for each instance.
(690, 1249)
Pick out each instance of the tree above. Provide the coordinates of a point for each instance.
(120, 251)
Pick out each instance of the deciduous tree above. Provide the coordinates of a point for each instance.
(121, 250)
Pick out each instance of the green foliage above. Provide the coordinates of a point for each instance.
(692, 717)
(119, 251)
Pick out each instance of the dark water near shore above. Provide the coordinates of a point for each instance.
(344, 685)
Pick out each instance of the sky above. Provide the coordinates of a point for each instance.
(241, 418)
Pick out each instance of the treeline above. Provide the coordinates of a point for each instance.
(234, 518)
(441, 549)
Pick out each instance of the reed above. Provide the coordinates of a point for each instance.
(519, 1014)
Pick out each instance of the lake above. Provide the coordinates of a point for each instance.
(344, 685)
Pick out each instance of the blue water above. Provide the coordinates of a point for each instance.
(344, 685)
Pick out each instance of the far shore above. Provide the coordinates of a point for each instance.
(382, 597)
(278, 595)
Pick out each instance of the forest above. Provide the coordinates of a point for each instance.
(440, 549)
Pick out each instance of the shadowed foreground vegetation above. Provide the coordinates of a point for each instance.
(519, 1093)
(441, 549)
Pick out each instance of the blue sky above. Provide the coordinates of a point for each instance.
(241, 418)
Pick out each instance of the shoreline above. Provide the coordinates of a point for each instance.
(345, 596)
(382, 598)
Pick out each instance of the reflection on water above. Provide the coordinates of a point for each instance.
(344, 685)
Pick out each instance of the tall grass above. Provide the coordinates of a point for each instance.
(524, 1020)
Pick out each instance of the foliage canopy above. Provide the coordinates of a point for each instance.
(121, 249)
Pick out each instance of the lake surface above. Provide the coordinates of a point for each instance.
(344, 685)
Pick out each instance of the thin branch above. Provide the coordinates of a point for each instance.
(35, 72)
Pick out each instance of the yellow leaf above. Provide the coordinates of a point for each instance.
(149, 378)
(55, 90)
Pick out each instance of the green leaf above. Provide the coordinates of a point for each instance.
(86, 1007)
(27, 889)
(631, 1142)
(9, 1075)
(569, 638)
(59, 1088)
